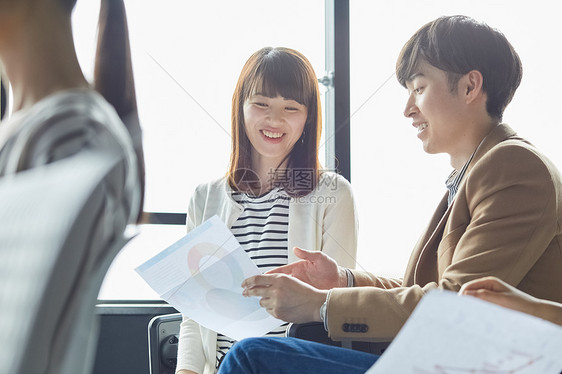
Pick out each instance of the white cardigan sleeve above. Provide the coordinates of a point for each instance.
(339, 225)
(325, 220)
(191, 355)
(197, 344)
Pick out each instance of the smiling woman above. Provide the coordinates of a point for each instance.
(276, 127)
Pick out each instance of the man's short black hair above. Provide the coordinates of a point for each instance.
(458, 45)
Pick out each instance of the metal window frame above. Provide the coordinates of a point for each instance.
(337, 121)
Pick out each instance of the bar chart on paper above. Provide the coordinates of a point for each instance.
(449, 334)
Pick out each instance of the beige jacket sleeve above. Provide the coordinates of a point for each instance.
(505, 218)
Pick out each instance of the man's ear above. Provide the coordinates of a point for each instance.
(472, 85)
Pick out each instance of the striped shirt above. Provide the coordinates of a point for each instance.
(455, 178)
(262, 231)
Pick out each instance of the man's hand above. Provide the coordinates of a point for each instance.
(285, 297)
(315, 268)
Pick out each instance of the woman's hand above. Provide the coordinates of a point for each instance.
(498, 292)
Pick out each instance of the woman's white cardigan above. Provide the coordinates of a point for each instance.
(324, 220)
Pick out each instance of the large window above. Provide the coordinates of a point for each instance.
(186, 59)
(396, 184)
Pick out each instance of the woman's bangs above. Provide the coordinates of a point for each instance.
(271, 81)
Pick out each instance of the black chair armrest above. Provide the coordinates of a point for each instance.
(163, 335)
(314, 331)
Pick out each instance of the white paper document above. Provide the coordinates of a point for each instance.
(201, 276)
(451, 334)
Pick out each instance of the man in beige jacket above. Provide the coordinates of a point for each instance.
(501, 215)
